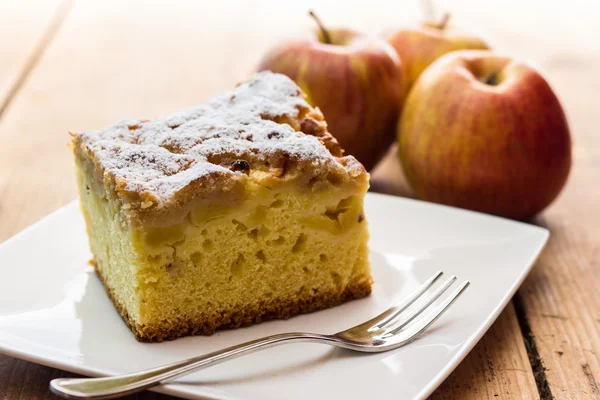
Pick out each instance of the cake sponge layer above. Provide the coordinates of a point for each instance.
(272, 254)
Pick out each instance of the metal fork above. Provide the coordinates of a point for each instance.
(387, 331)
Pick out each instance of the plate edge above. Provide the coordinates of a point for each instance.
(478, 335)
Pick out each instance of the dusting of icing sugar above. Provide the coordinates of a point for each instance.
(163, 156)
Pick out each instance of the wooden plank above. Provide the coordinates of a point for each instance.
(561, 298)
(118, 59)
(499, 360)
(25, 28)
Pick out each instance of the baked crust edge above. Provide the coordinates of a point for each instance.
(241, 317)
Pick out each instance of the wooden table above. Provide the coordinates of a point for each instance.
(71, 66)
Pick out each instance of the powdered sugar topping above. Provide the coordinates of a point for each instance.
(162, 157)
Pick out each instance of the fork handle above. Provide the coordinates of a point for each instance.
(112, 387)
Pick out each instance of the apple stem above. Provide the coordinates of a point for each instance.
(443, 22)
(324, 32)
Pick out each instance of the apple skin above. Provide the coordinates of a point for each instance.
(420, 46)
(355, 81)
(503, 149)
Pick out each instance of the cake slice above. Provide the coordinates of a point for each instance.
(234, 212)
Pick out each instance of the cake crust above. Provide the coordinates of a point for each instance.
(152, 169)
(243, 316)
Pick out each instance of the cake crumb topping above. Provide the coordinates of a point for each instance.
(264, 123)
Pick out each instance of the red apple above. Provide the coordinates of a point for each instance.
(487, 133)
(355, 80)
(420, 46)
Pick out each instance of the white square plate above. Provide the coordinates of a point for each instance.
(53, 309)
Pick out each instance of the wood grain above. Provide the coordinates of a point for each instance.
(560, 298)
(25, 28)
(494, 360)
(21, 380)
(137, 59)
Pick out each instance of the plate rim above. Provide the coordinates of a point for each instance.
(474, 339)
(464, 350)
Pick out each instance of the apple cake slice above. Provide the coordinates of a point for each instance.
(234, 212)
